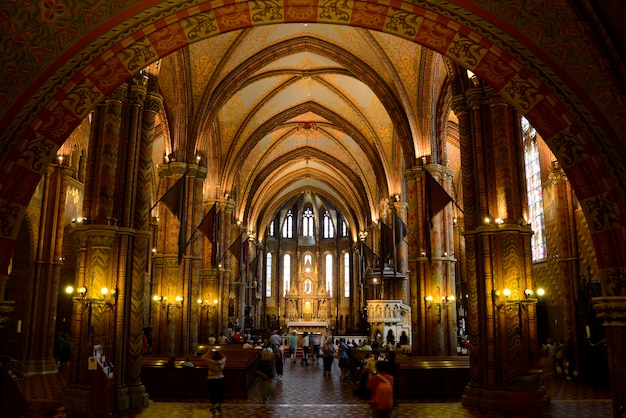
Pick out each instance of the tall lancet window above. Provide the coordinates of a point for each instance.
(328, 226)
(329, 274)
(288, 226)
(268, 275)
(534, 190)
(286, 273)
(346, 275)
(307, 223)
(271, 229)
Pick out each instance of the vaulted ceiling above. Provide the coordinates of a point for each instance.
(279, 110)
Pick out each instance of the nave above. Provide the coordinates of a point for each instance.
(305, 393)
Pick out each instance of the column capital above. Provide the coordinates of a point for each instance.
(611, 310)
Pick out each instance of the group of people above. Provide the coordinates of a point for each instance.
(379, 384)
(558, 356)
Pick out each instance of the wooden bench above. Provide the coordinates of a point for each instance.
(421, 377)
(431, 377)
(190, 382)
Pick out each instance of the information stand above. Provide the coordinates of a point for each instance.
(103, 396)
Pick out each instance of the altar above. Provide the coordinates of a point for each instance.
(312, 327)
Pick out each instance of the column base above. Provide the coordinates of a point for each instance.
(510, 402)
(133, 397)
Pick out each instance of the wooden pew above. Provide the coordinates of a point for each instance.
(188, 383)
(431, 377)
(421, 377)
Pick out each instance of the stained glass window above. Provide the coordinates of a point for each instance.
(286, 273)
(329, 274)
(534, 190)
(346, 275)
(268, 275)
(288, 226)
(307, 223)
(328, 226)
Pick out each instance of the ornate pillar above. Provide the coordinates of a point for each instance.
(402, 256)
(502, 327)
(567, 247)
(231, 265)
(169, 276)
(114, 240)
(611, 310)
(432, 262)
(417, 260)
(145, 105)
(38, 357)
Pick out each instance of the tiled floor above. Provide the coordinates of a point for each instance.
(305, 393)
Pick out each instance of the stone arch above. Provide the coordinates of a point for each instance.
(36, 131)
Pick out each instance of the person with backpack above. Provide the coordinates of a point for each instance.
(380, 385)
(265, 371)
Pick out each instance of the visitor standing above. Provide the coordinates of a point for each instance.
(293, 346)
(215, 379)
(279, 360)
(328, 356)
(316, 342)
(560, 357)
(306, 345)
(342, 355)
(568, 355)
(266, 371)
(275, 338)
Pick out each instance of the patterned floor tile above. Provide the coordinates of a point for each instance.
(305, 393)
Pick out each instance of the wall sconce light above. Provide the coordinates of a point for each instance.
(439, 305)
(107, 300)
(103, 300)
(499, 221)
(208, 306)
(162, 300)
(487, 220)
(525, 298)
(444, 300)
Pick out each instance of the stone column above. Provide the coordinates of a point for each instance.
(502, 329)
(433, 309)
(38, 357)
(402, 256)
(417, 261)
(611, 310)
(169, 275)
(231, 265)
(146, 103)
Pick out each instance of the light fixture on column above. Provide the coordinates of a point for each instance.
(507, 297)
(163, 302)
(106, 300)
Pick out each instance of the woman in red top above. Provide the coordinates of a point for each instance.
(381, 406)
